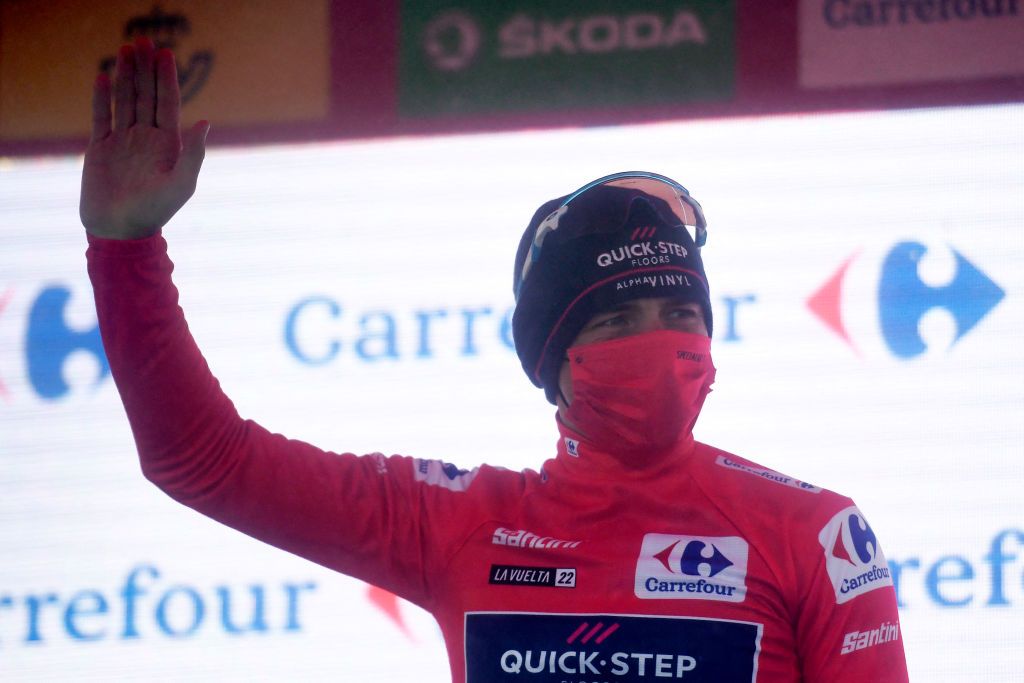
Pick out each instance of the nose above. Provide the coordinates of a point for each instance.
(650, 320)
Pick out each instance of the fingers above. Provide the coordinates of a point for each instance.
(193, 151)
(101, 108)
(135, 85)
(145, 82)
(124, 89)
(168, 97)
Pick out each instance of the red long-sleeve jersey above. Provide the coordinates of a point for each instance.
(705, 567)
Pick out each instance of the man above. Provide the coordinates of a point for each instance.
(636, 553)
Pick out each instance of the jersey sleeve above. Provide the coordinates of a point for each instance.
(848, 628)
(367, 516)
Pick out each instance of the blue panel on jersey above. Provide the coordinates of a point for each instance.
(580, 648)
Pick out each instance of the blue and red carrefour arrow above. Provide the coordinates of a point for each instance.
(904, 299)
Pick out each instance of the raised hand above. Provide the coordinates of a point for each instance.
(139, 168)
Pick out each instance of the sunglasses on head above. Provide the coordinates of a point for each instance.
(685, 210)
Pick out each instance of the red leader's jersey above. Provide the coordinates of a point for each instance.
(706, 568)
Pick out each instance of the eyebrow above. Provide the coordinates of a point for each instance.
(630, 305)
(620, 308)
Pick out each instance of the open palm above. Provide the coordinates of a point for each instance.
(139, 169)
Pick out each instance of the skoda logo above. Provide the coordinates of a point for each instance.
(451, 41)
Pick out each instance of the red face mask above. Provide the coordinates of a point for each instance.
(641, 394)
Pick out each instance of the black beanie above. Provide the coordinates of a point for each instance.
(585, 266)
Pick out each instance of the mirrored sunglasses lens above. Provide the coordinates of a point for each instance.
(686, 212)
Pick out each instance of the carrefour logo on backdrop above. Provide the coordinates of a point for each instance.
(317, 329)
(904, 300)
(51, 343)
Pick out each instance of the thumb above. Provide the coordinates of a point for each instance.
(193, 151)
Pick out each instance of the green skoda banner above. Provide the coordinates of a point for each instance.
(482, 57)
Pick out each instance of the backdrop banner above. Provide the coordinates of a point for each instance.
(867, 272)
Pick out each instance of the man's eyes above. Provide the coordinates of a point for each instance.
(683, 313)
(686, 314)
(611, 321)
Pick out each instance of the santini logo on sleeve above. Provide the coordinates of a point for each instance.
(520, 538)
(692, 568)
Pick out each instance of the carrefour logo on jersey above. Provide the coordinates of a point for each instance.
(853, 558)
(692, 568)
(903, 298)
